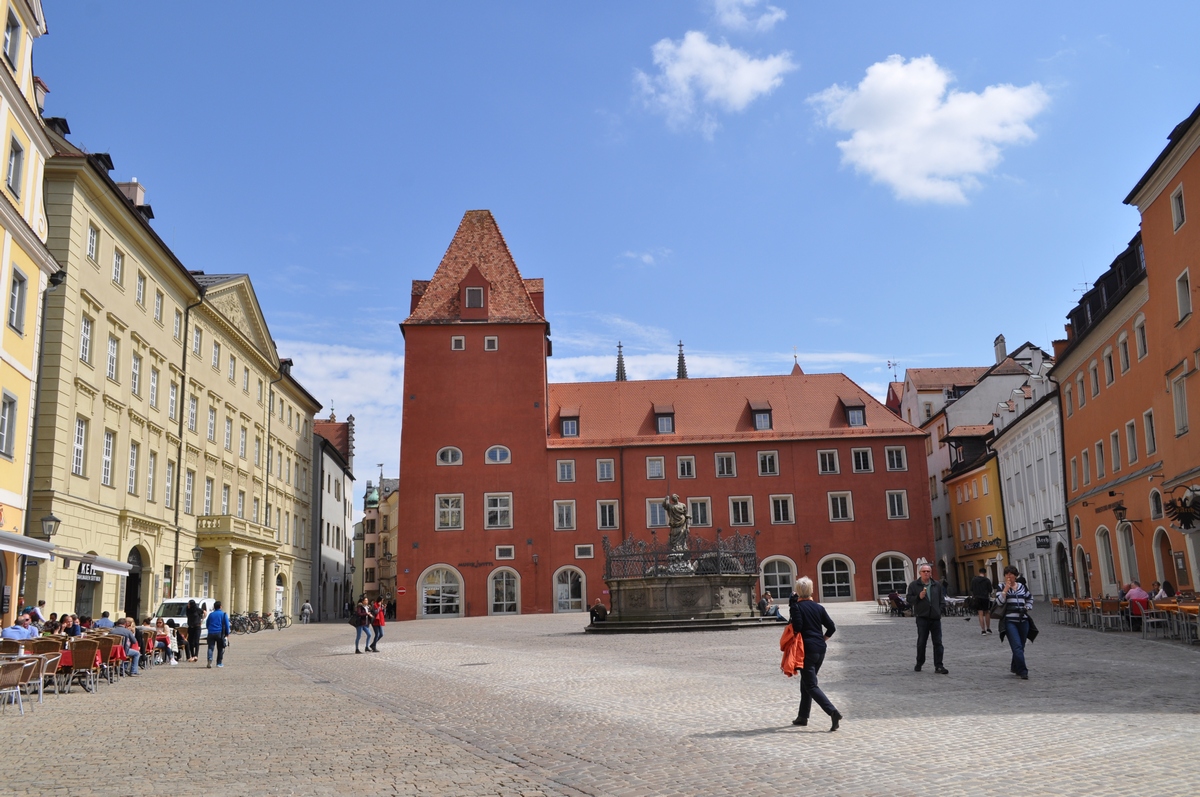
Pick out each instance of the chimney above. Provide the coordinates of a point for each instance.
(1001, 349)
(134, 191)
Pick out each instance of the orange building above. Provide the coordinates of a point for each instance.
(509, 485)
(976, 509)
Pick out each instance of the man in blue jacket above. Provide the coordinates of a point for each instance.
(218, 632)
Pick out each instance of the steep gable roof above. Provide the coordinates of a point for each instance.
(233, 297)
(337, 433)
(941, 378)
(477, 244)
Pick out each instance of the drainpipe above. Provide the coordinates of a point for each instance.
(179, 463)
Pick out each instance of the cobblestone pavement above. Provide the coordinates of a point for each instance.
(531, 706)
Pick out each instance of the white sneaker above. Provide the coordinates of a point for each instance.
(173, 662)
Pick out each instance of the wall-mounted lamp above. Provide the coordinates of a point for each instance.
(50, 525)
(197, 552)
(277, 567)
(807, 550)
(1119, 512)
(388, 557)
(535, 559)
(1049, 524)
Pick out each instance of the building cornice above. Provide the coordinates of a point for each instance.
(1101, 333)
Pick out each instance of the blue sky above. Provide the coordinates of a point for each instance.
(863, 182)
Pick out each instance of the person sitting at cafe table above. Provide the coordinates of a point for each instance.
(21, 629)
(164, 640)
(70, 625)
(1164, 592)
(103, 622)
(124, 629)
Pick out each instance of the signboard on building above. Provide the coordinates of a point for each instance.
(1042, 540)
(87, 572)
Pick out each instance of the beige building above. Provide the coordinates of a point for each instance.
(26, 268)
(172, 442)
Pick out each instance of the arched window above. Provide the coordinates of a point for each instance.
(890, 575)
(505, 592)
(568, 590)
(449, 456)
(1078, 528)
(835, 580)
(498, 455)
(1125, 532)
(1104, 548)
(778, 579)
(1156, 505)
(441, 593)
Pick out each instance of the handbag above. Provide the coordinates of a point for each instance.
(998, 611)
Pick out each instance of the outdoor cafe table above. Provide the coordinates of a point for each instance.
(67, 661)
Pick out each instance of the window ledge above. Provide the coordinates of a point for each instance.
(1183, 320)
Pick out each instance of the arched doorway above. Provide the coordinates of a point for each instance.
(1128, 553)
(504, 592)
(836, 583)
(280, 592)
(1083, 579)
(441, 593)
(297, 599)
(133, 584)
(1164, 562)
(891, 574)
(778, 578)
(568, 590)
(1108, 568)
(1064, 571)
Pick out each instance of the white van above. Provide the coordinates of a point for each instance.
(176, 609)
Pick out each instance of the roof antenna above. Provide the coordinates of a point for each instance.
(892, 365)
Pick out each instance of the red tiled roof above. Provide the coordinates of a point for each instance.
(477, 243)
(970, 430)
(894, 392)
(337, 433)
(717, 410)
(937, 378)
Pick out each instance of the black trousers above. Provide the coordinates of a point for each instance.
(927, 628)
(193, 642)
(809, 690)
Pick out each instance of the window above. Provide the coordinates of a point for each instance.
(1151, 440)
(606, 515)
(604, 470)
(491, 343)
(254, 508)
(841, 506)
(497, 510)
(106, 461)
(178, 329)
(208, 496)
(928, 409)
(1109, 374)
(1069, 400)
(654, 468)
(585, 551)
(1183, 294)
(458, 343)
(856, 416)
(933, 492)
(566, 470)
(497, 455)
(139, 291)
(260, 391)
(568, 591)
(229, 434)
(1139, 337)
(85, 339)
(257, 450)
(897, 501)
(1177, 214)
(685, 467)
(114, 348)
(232, 368)
(1156, 505)
(158, 305)
(827, 461)
(135, 374)
(1114, 451)
(570, 427)
(978, 529)
(245, 380)
(197, 340)
(896, 458)
(768, 463)
(151, 466)
(212, 424)
(449, 456)
(154, 387)
(16, 301)
(241, 504)
(1074, 473)
(133, 466)
(1131, 442)
(741, 510)
(1094, 375)
(781, 509)
(169, 485)
(1099, 461)
(242, 443)
(93, 241)
(564, 515)
(862, 460)
(656, 513)
(16, 164)
(835, 579)
(225, 504)
(1179, 397)
(1087, 467)
(474, 297)
(506, 552)
(193, 404)
(172, 400)
(449, 512)
(8, 420)
(1079, 391)
(726, 466)
(1123, 352)
(778, 579)
(12, 39)
(118, 266)
(216, 354)
(665, 424)
(700, 510)
(762, 420)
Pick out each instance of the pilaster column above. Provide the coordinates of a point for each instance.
(268, 596)
(256, 579)
(224, 580)
(240, 581)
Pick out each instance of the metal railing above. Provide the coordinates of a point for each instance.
(638, 558)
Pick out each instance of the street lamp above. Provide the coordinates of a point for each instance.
(197, 552)
(50, 525)
(388, 557)
(1049, 524)
(1119, 512)
(277, 567)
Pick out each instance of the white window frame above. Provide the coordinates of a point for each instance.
(445, 511)
(900, 451)
(902, 496)
(134, 450)
(1114, 452)
(732, 469)
(585, 551)
(1183, 295)
(114, 358)
(854, 457)
(821, 460)
(564, 515)
(687, 464)
(169, 485)
(506, 552)
(158, 306)
(1131, 446)
(18, 289)
(487, 456)
(212, 424)
(85, 339)
(216, 355)
(1123, 352)
(614, 508)
(106, 458)
(829, 498)
(569, 427)
(1178, 209)
(16, 166)
(118, 266)
(448, 456)
(154, 387)
(8, 424)
(600, 466)
(705, 502)
(242, 443)
(491, 343)
(656, 514)
(208, 495)
(139, 290)
(661, 464)
(1151, 433)
(458, 343)
(565, 470)
(749, 501)
(769, 459)
(151, 466)
(503, 509)
(229, 434)
(1141, 342)
(93, 242)
(473, 298)
(1179, 404)
(790, 503)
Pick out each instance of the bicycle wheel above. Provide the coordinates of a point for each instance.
(285, 621)
(239, 625)
(255, 625)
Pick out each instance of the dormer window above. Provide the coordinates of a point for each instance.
(568, 418)
(856, 411)
(664, 418)
(474, 298)
(761, 412)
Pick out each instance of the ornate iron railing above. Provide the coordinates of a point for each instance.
(638, 558)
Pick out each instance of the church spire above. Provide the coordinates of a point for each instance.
(681, 368)
(620, 363)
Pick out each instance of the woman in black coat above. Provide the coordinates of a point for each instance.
(813, 624)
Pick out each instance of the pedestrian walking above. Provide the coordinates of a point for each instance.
(218, 634)
(928, 602)
(981, 601)
(378, 613)
(195, 619)
(1017, 602)
(814, 625)
(305, 612)
(361, 620)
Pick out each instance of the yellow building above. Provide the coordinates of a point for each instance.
(172, 442)
(976, 505)
(26, 267)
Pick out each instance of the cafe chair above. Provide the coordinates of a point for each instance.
(106, 647)
(10, 684)
(1110, 615)
(49, 670)
(84, 667)
(9, 647)
(1156, 619)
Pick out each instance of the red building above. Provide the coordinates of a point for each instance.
(508, 484)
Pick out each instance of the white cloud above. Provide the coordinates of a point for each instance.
(649, 257)
(365, 383)
(733, 14)
(925, 141)
(696, 72)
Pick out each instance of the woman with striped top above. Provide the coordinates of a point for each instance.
(1017, 602)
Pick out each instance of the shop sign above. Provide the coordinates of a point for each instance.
(87, 572)
(974, 546)
(1043, 540)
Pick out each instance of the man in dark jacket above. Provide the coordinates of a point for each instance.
(928, 602)
(981, 599)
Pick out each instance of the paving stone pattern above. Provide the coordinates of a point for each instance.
(532, 706)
